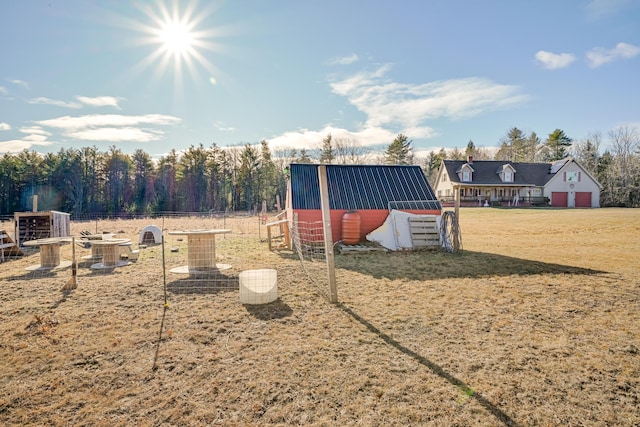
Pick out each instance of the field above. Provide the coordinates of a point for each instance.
(535, 323)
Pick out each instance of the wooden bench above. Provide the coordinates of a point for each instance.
(127, 253)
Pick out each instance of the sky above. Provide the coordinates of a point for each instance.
(163, 75)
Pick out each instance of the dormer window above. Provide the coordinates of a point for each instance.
(465, 173)
(506, 173)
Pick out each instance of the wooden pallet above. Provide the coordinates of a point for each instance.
(424, 232)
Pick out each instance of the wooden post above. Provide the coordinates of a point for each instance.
(456, 241)
(328, 235)
(72, 283)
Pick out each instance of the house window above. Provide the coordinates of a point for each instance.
(508, 177)
(439, 193)
(573, 176)
(466, 176)
(444, 177)
(514, 192)
(500, 192)
(476, 192)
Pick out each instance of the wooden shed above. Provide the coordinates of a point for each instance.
(370, 190)
(41, 225)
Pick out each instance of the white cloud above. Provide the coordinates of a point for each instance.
(35, 136)
(5, 126)
(310, 139)
(393, 108)
(17, 145)
(20, 83)
(344, 60)
(35, 130)
(411, 105)
(221, 127)
(100, 101)
(553, 61)
(600, 56)
(3, 91)
(97, 120)
(111, 127)
(117, 134)
(599, 8)
(48, 101)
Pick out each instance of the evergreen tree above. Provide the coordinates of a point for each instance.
(456, 154)
(328, 153)
(432, 165)
(556, 145)
(587, 153)
(304, 156)
(399, 152)
(513, 146)
(531, 149)
(471, 150)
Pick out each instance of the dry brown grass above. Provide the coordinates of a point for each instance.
(537, 322)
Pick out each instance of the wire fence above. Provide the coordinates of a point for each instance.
(186, 256)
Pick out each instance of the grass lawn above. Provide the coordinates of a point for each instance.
(536, 322)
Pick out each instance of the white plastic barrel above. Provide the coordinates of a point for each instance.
(258, 286)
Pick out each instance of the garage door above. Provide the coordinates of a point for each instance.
(583, 199)
(559, 199)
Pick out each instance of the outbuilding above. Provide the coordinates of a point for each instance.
(370, 190)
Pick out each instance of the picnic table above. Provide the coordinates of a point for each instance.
(49, 253)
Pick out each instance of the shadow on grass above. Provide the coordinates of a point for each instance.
(204, 285)
(435, 368)
(421, 265)
(273, 310)
(31, 275)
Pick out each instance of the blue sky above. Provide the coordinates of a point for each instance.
(162, 75)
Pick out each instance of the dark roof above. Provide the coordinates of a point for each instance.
(362, 187)
(486, 172)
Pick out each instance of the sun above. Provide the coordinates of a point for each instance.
(176, 38)
(180, 39)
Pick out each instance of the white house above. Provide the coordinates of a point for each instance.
(564, 183)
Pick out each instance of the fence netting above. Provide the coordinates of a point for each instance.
(183, 256)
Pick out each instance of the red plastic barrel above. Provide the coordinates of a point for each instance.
(351, 228)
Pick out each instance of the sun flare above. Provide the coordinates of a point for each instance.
(180, 41)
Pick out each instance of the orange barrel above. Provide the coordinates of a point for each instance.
(351, 228)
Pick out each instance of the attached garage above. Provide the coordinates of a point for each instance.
(583, 199)
(559, 199)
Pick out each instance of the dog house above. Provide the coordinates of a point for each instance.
(150, 235)
(41, 225)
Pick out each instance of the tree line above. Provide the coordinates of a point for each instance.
(87, 181)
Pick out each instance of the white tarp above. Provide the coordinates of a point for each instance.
(395, 233)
